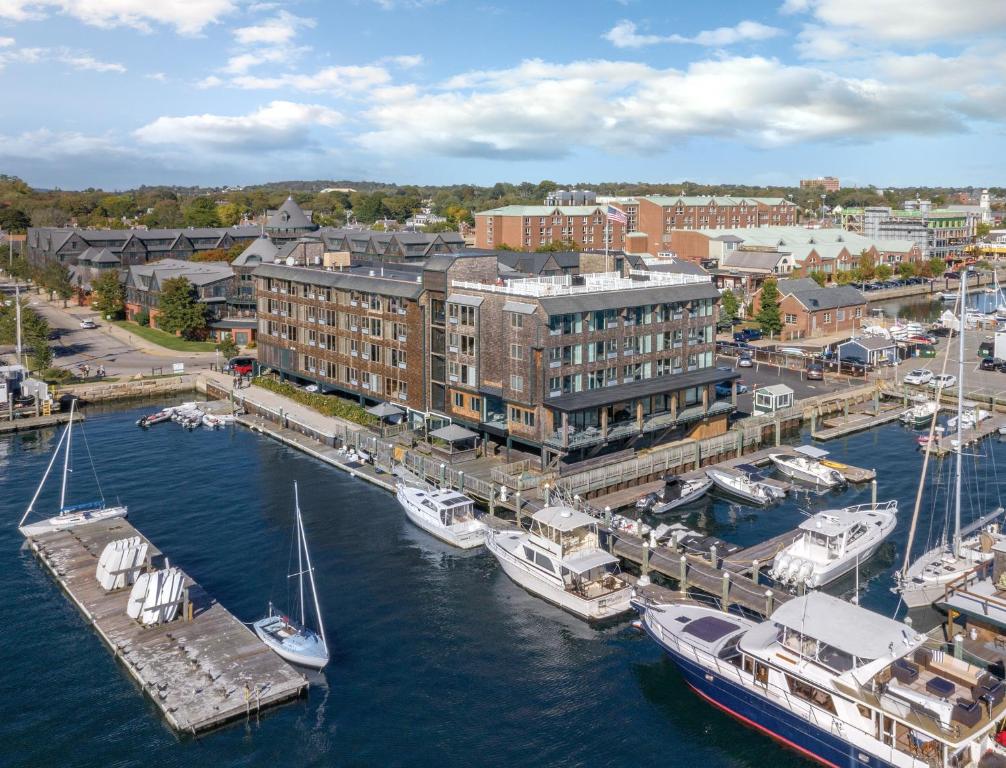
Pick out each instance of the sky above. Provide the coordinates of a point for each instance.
(118, 93)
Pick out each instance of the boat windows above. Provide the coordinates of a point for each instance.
(808, 692)
(528, 554)
(730, 653)
(710, 628)
(543, 562)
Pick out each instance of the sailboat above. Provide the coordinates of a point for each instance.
(291, 639)
(921, 582)
(70, 516)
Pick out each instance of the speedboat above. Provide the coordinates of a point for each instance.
(834, 542)
(560, 559)
(745, 488)
(679, 493)
(445, 514)
(840, 684)
(919, 415)
(807, 470)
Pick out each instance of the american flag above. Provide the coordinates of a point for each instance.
(616, 214)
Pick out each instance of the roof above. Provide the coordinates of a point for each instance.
(675, 266)
(383, 410)
(794, 284)
(776, 389)
(766, 260)
(453, 433)
(559, 305)
(518, 306)
(563, 518)
(346, 279)
(847, 627)
(461, 298)
(870, 343)
(289, 216)
(197, 273)
(235, 322)
(543, 210)
(583, 561)
(261, 249)
(593, 398)
(833, 297)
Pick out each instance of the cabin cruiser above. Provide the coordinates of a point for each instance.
(807, 470)
(745, 488)
(834, 542)
(971, 416)
(919, 415)
(560, 559)
(445, 514)
(679, 493)
(838, 683)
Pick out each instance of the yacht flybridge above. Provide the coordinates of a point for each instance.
(445, 514)
(560, 559)
(840, 684)
(69, 516)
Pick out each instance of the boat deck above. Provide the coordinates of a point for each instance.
(202, 669)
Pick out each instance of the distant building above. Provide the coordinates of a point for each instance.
(809, 310)
(827, 183)
(940, 233)
(571, 197)
(289, 221)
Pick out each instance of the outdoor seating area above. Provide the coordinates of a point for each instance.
(454, 443)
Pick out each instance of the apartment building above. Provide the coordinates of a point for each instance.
(939, 233)
(561, 364)
(827, 183)
(650, 220)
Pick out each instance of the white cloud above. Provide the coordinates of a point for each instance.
(160, 77)
(625, 34)
(543, 110)
(188, 17)
(277, 125)
(86, 61)
(6, 42)
(80, 60)
(44, 144)
(408, 61)
(335, 80)
(280, 29)
(243, 62)
(210, 81)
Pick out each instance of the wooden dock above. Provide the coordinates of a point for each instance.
(840, 426)
(201, 672)
(944, 444)
(28, 423)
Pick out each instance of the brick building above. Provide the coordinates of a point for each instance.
(568, 363)
(527, 227)
(809, 310)
(827, 183)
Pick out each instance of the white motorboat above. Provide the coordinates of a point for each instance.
(834, 542)
(745, 488)
(560, 559)
(679, 493)
(445, 514)
(632, 525)
(971, 416)
(69, 516)
(919, 415)
(838, 683)
(807, 470)
(293, 639)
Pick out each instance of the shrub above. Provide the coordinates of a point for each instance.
(142, 317)
(56, 375)
(330, 405)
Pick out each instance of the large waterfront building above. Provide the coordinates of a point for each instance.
(650, 220)
(939, 233)
(827, 183)
(561, 363)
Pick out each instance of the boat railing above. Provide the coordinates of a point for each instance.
(881, 506)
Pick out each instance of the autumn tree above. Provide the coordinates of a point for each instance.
(867, 267)
(729, 305)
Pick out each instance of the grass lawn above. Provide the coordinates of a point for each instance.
(166, 340)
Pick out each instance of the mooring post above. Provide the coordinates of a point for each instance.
(876, 402)
(755, 568)
(768, 603)
(778, 433)
(443, 473)
(873, 490)
(644, 568)
(712, 556)
(185, 605)
(607, 516)
(461, 481)
(516, 501)
(813, 421)
(845, 409)
(492, 501)
(959, 645)
(684, 575)
(726, 593)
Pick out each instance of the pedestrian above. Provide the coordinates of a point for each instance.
(101, 372)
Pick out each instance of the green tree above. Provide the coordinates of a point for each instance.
(884, 272)
(227, 347)
(729, 305)
(14, 220)
(35, 337)
(906, 270)
(982, 230)
(229, 214)
(818, 277)
(58, 280)
(867, 267)
(165, 214)
(558, 246)
(108, 296)
(180, 310)
(845, 277)
(201, 212)
(769, 316)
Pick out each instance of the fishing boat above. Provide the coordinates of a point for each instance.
(744, 488)
(679, 493)
(919, 415)
(923, 580)
(560, 559)
(69, 516)
(807, 470)
(834, 542)
(292, 639)
(839, 684)
(445, 514)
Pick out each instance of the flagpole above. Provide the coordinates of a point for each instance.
(607, 235)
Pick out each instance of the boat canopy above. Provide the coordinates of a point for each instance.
(563, 518)
(832, 523)
(856, 631)
(811, 451)
(587, 560)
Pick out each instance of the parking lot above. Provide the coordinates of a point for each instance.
(764, 374)
(977, 382)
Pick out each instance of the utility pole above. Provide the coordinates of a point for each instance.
(17, 315)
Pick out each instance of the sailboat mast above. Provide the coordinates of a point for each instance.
(300, 552)
(48, 469)
(310, 576)
(960, 414)
(17, 313)
(66, 458)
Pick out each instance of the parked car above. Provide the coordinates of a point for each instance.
(944, 380)
(240, 366)
(951, 275)
(745, 361)
(723, 388)
(815, 372)
(989, 364)
(853, 360)
(792, 351)
(919, 377)
(88, 324)
(986, 348)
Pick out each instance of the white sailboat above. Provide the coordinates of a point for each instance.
(921, 582)
(292, 639)
(68, 516)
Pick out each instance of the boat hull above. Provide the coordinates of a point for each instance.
(300, 659)
(727, 489)
(795, 472)
(466, 539)
(66, 522)
(597, 609)
(698, 493)
(764, 715)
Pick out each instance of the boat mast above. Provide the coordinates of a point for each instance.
(310, 576)
(17, 313)
(300, 550)
(960, 414)
(66, 458)
(45, 477)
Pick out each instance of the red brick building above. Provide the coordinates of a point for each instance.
(809, 310)
(527, 227)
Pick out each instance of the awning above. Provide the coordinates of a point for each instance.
(519, 307)
(384, 410)
(453, 433)
(811, 452)
(582, 562)
(461, 298)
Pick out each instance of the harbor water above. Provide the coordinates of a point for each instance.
(438, 659)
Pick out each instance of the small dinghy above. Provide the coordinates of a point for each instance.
(164, 414)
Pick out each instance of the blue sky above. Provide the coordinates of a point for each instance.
(116, 93)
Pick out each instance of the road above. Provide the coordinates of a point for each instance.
(122, 353)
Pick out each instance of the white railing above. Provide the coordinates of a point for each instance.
(562, 285)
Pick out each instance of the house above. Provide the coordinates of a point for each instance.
(808, 310)
(745, 270)
(772, 398)
(874, 350)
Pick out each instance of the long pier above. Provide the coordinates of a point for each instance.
(203, 669)
(28, 423)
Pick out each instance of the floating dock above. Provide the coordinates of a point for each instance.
(28, 423)
(201, 671)
(840, 426)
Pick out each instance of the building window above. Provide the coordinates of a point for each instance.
(517, 383)
(476, 404)
(827, 317)
(467, 345)
(516, 320)
(790, 319)
(516, 352)
(459, 400)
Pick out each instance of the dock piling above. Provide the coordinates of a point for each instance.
(684, 575)
(768, 602)
(713, 559)
(726, 592)
(644, 569)
(755, 568)
(873, 490)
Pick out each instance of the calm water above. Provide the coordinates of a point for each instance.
(439, 659)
